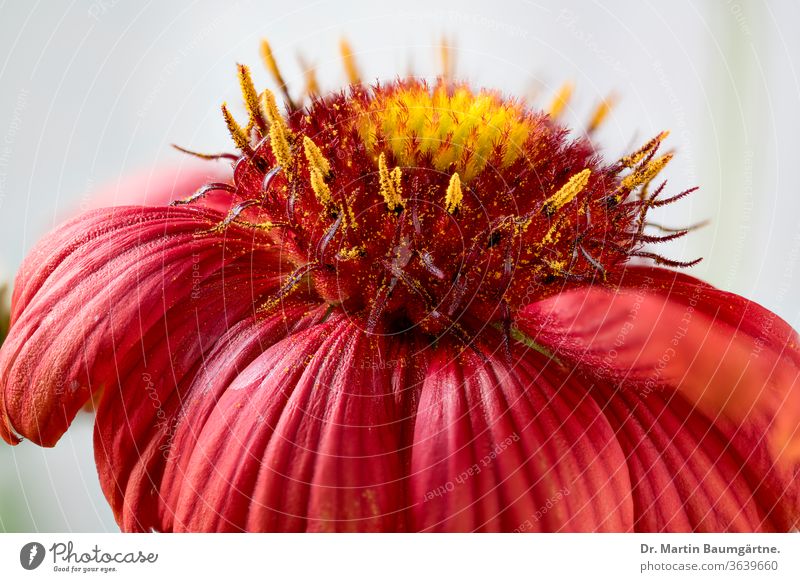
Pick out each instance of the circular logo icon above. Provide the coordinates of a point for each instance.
(31, 555)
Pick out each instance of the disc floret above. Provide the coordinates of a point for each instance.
(435, 205)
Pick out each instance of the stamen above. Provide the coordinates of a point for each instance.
(646, 173)
(202, 191)
(291, 283)
(266, 226)
(454, 195)
(647, 238)
(237, 133)
(397, 177)
(250, 99)
(670, 229)
(318, 170)
(278, 131)
(659, 260)
(310, 73)
(202, 156)
(446, 55)
(315, 158)
(651, 146)
(671, 199)
(567, 192)
(561, 100)
(233, 214)
(390, 184)
(321, 189)
(350, 67)
(601, 113)
(272, 67)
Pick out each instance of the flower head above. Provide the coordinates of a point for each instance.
(412, 308)
(433, 206)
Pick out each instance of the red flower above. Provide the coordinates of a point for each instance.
(418, 314)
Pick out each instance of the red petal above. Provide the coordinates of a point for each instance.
(146, 433)
(735, 361)
(307, 438)
(90, 292)
(664, 329)
(513, 448)
(690, 474)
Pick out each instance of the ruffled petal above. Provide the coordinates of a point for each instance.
(690, 474)
(513, 447)
(661, 329)
(90, 293)
(701, 387)
(308, 437)
(146, 431)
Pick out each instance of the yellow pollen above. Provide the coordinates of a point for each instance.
(601, 113)
(316, 160)
(390, 184)
(452, 200)
(553, 233)
(265, 226)
(250, 97)
(312, 85)
(321, 189)
(631, 160)
(450, 127)
(319, 168)
(397, 177)
(561, 99)
(278, 131)
(446, 54)
(349, 61)
(237, 133)
(310, 74)
(568, 191)
(350, 254)
(556, 266)
(645, 174)
(270, 64)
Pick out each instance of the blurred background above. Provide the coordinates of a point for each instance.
(93, 90)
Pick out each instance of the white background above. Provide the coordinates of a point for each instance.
(92, 90)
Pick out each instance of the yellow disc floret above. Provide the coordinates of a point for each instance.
(453, 127)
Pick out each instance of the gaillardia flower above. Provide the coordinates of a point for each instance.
(412, 308)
